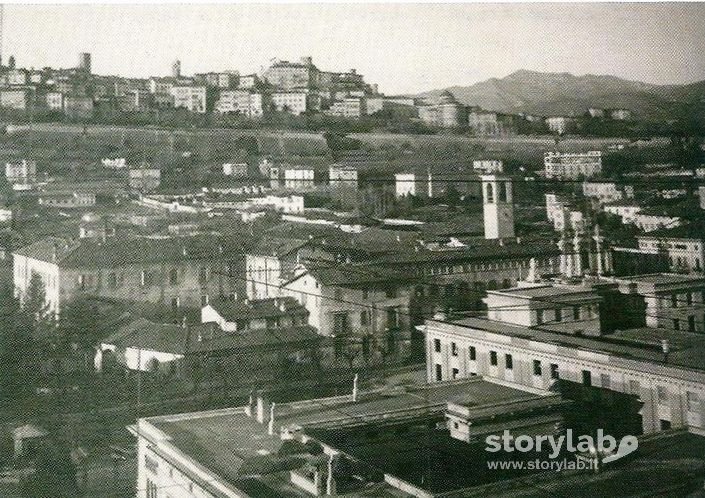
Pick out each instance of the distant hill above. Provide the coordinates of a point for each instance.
(554, 94)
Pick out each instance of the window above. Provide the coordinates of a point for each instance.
(691, 324)
(554, 371)
(439, 373)
(634, 387)
(508, 362)
(587, 378)
(454, 373)
(392, 317)
(453, 349)
(175, 303)
(576, 312)
(204, 300)
(674, 300)
(493, 358)
(559, 315)
(364, 318)
(151, 489)
(203, 275)
(688, 298)
(605, 381)
(692, 401)
(473, 353)
(365, 294)
(664, 424)
(539, 317)
(437, 345)
(676, 324)
(173, 276)
(338, 294)
(537, 367)
(340, 324)
(112, 281)
(662, 394)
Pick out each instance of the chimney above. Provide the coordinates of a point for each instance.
(666, 348)
(355, 390)
(250, 404)
(262, 407)
(183, 322)
(270, 427)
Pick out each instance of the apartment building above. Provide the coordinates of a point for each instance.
(190, 97)
(564, 165)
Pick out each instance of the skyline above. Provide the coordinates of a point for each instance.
(405, 48)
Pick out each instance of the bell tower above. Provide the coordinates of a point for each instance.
(498, 207)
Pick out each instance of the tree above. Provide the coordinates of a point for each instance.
(17, 355)
(55, 473)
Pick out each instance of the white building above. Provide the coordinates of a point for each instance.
(572, 165)
(649, 221)
(607, 191)
(342, 176)
(298, 178)
(559, 124)
(116, 163)
(672, 391)
(295, 103)
(685, 246)
(55, 101)
(22, 175)
(626, 210)
(236, 170)
(405, 184)
(488, 166)
(190, 97)
(241, 102)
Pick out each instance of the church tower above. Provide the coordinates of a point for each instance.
(498, 207)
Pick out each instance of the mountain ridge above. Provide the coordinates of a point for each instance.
(544, 94)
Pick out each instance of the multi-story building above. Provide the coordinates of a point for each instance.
(342, 176)
(293, 102)
(447, 113)
(487, 123)
(555, 203)
(683, 245)
(67, 200)
(242, 102)
(572, 165)
(560, 124)
(292, 75)
(236, 170)
(488, 166)
(191, 97)
(652, 365)
(607, 191)
(144, 179)
(247, 81)
(621, 114)
(627, 210)
(55, 101)
(15, 77)
(21, 175)
(179, 271)
(349, 107)
(649, 220)
(16, 98)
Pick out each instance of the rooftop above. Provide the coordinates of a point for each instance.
(260, 308)
(118, 252)
(689, 357)
(164, 337)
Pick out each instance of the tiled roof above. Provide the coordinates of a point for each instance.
(142, 333)
(261, 308)
(117, 252)
(208, 337)
(356, 274)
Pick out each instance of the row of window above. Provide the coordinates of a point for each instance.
(501, 265)
(693, 401)
(691, 324)
(147, 278)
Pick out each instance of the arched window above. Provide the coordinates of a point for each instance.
(502, 192)
(490, 193)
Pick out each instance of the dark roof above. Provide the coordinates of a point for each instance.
(260, 308)
(353, 275)
(117, 252)
(687, 231)
(163, 337)
(209, 337)
(480, 250)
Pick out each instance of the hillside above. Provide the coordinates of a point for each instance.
(565, 94)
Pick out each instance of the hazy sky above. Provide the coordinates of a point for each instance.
(403, 47)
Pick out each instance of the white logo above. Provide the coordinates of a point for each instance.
(606, 444)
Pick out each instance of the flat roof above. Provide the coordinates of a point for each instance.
(661, 278)
(690, 357)
(238, 449)
(545, 290)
